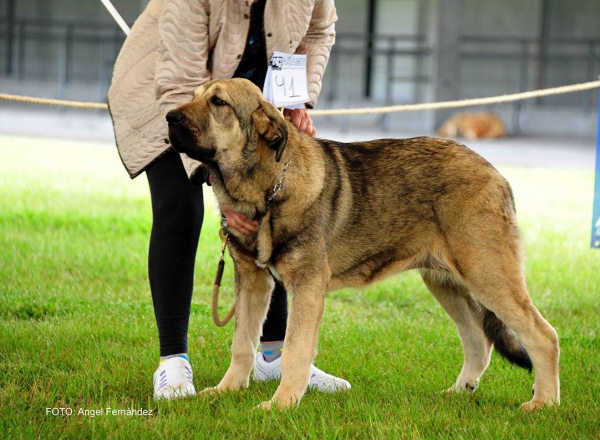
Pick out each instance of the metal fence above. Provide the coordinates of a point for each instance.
(530, 63)
(62, 52)
(402, 67)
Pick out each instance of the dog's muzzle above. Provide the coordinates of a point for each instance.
(175, 118)
(177, 136)
(183, 140)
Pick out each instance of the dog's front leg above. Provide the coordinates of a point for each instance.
(253, 287)
(307, 293)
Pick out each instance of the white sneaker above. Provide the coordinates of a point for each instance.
(326, 383)
(173, 379)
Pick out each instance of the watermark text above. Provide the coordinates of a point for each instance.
(98, 412)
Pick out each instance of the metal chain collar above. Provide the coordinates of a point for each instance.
(278, 185)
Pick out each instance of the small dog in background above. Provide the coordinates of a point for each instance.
(473, 126)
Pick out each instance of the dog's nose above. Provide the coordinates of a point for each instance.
(175, 117)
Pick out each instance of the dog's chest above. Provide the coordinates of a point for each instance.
(259, 245)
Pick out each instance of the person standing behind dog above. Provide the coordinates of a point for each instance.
(174, 47)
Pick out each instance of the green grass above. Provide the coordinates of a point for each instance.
(77, 328)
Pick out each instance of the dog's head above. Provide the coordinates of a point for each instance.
(228, 122)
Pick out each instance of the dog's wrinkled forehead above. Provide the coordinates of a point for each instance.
(237, 93)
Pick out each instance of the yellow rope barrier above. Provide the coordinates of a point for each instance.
(356, 111)
(56, 102)
(460, 103)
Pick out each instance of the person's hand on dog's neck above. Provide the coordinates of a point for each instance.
(301, 119)
(239, 221)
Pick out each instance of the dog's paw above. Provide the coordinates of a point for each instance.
(212, 391)
(471, 387)
(265, 406)
(276, 404)
(468, 387)
(536, 405)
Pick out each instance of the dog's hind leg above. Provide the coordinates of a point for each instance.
(494, 274)
(457, 301)
(484, 251)
(510, 302)
(253, 287)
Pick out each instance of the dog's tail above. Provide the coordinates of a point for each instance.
(505, 341)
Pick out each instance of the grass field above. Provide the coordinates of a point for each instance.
(77, 329)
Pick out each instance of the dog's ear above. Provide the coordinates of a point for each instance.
(270, 125)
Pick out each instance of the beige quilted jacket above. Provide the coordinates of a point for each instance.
(177, 45)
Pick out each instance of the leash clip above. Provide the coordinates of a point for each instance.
(224, 234)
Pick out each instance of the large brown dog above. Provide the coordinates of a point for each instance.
(350, 214)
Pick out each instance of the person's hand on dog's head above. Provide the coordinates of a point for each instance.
(301, 119)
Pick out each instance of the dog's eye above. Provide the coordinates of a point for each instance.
(218, 101)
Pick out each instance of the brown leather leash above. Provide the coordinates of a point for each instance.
(224, 234)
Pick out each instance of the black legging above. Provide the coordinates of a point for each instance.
(178, 212)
